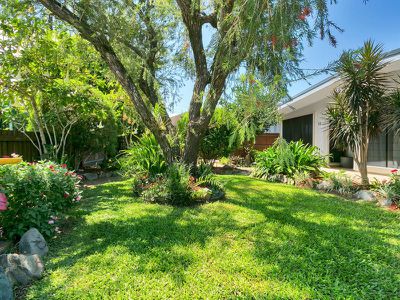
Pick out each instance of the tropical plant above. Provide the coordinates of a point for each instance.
(143, 158)
(340, 183)
(354, 114)
(391, 189)
(390, 117)
(284, 158)
(151, 45)
(37, 196)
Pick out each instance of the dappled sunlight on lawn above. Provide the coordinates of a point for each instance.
(264, 241)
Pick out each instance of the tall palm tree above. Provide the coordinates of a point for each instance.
(354, 114)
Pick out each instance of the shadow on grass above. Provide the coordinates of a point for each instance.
(319, 242)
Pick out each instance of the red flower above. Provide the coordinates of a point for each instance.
(64, 166)
(306, 11)
(394, 171)
(66, 195)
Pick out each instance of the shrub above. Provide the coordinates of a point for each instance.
(287, 159)
(391, 189)
(144, 157)
(340, 183)
(171, 188)
(177, 187)
(37, 194)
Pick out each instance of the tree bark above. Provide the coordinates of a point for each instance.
(39, 124)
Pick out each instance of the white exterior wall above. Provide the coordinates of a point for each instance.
(320, 126)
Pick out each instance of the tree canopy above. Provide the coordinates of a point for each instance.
(152, 45)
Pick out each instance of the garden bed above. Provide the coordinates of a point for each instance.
(266, 240)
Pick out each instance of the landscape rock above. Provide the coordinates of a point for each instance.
(32, 242)
(365, 195)
(91, 176)
(386, 202)
(21, 269)
(6, 292)
(324, 185)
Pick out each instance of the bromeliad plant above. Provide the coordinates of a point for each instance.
(391, 190)
(288, 159)
(37, 194)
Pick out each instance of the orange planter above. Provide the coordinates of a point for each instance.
(10, 161)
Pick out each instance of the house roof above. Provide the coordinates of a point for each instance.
(331, 80)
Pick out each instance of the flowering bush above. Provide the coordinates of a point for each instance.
(35, 194)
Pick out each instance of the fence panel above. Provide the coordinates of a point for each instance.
(262, 142)
(16, 142)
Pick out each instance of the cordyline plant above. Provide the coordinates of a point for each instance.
(356, 111)
(149, 44)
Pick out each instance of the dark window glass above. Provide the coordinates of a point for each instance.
(300, 128)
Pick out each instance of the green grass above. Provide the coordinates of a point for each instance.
(266, 241)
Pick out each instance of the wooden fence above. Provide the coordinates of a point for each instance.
(16, 142)
(262, 142)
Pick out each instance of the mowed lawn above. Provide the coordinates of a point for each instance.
(265, 241)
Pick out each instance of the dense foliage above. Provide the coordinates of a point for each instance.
(216, 141)
(37, 196)
(287, 159)
(157, 182)
(143, 158)
(151, 46)
(55, 84)
(254, 108)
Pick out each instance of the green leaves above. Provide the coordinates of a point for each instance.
(37, 194)
(144, 158)
(356, 112)
(288, 159)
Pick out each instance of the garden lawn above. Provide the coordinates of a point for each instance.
(265, 241)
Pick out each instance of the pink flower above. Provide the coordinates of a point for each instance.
(3, 202)
(78, 198)
(64, 166)
(51, 222)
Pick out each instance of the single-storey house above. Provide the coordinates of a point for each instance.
(303, 117)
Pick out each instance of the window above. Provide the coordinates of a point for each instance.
(384, 151)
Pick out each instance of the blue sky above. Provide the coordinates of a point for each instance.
(378, 20)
